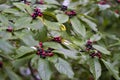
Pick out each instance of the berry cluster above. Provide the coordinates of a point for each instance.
(36, 13)
(63, 8)
(70, 13)
(1, 64)
(44, 53)
(89, 45)
(93, 51)
(9, 29)
(97, 54)
(118, 1)
(57, 39)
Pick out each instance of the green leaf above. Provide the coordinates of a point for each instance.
(23, 22)
(62, 18)
(12, 11)
(64, 67)
(23, 50)
(4, 20)
(41, 31)
(67, 53)
(95, 68)
(101, 49)
(95, 37)
(22, 61)
(4, 35)
(6, 47)
(52, 25)
(91, 24)
(111, 69)
(23, 7)
(11, 74)
(78, 27)
(29, 40)
(44, 69)
(36, 25)
(51, 1)
(53, 45)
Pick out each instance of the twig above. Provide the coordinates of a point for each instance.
(32, 71)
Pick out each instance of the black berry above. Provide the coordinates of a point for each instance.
(63, 8)
(118, 1)
(1, 64)
(97, 54)
(89, 45)
(36, 13)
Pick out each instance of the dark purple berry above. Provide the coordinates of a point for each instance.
(118, 1)
(70, 13)
(93, 55)
(43, 56)
(9, 29)
(1, 64)
(63, 8)
(40, 14)
(50, 49)
(37, 10)
(50, 54)
(34, 15)
(41, 44)
(99, 55)
(57, 39)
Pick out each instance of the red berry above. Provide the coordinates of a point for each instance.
(41, 44)
(89, 42)
(44, 53)
(93, 55)
(57, 39)
(37, 10)
(73, 13)
(118, 1)
(40, 14)
(9, 29)
(99, 55)
(50, 54)
(117, 11)
(34, 15)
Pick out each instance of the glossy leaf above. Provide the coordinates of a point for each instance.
(95, 68)
(44, 69)
(78, 27)
(62, 18)
(101, 49)
(111, 69)
(64, 67)
(12, 75)
(23, 51)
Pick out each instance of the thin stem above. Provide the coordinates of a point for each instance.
(32, 71)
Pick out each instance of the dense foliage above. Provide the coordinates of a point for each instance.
(59, 40)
